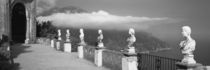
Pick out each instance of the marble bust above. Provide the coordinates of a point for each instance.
(100, 38)
(67, 35)
(132, 37)
(131, 40)
(59, 34)
(187, 46)
(81, 36)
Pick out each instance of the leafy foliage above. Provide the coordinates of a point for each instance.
(46, 29)
(4, 44)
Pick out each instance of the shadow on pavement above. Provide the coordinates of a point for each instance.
(16, 50)
(9, 66)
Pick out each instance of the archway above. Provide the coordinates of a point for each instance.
(18, 23)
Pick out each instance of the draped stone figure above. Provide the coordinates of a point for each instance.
(59, 34)
(187, 46)
(81, 36)
(67, 35)
(100, 38)
(132, 39)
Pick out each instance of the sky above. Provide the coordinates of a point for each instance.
(195, 13)
(171, 15)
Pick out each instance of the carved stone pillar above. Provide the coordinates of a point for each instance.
(67, 44)
(82, 44)
(99, 50)
(129, 61)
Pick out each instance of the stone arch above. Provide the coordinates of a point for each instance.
(18, 23)
(7, 8)
(29, 25)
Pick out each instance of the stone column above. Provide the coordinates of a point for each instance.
(31, 22)
(52, 43)
(67, 44)
(27, 24)
(67, 47)
(129, 61)
(58, 44)
(81, 44)
(98, 56)
(99, 49)
(80, 51)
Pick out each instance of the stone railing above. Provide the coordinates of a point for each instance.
(89, 53)
(42, 40)
(112, 59)
(152, 62)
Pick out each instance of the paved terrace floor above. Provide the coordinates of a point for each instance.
(44, 57)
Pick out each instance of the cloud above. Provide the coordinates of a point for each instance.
(43, 5)
(102, 20)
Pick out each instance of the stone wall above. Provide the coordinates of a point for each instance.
(0, 17)
(2, 2)
(5, 17)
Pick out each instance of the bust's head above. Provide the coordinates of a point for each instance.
(67, 31)
(186, 31)
(131, 31)
(99, 31)
(59, 30)
(81, 30)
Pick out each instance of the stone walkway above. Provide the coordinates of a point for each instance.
(43, 57)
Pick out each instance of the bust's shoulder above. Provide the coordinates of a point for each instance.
(193, 40)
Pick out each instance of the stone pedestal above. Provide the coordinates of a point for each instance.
(207, 68)
(58, 45)
(129, 61)
(27, 41)
(67, 47)
(52, 43)
(185, 66)
(101, 44)
(80, 51)
(131, 50)
(98, 56)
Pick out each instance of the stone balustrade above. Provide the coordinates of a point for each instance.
(126, 60)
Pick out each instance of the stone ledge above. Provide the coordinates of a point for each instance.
(99, 48)
(82, 44)
(67, 42)
(185, 66)
(129, 54)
